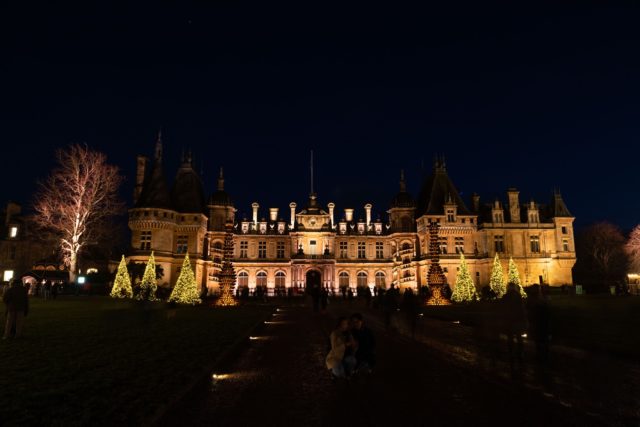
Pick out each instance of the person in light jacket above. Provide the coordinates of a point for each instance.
(341, 358)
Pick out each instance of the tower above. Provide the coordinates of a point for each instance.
(435, 276)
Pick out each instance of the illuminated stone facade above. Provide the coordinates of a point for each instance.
(317, 245)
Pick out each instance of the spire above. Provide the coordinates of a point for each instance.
(439, 164)
(311, 163)
(403, 184)
(221, 180)
(159, 147)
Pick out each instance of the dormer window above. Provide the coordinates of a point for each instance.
(343, 228)
(451, 216)
(498, 217)
(13, 231)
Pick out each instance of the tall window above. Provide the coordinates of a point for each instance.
(450, 216)
(361, 250)
(244, 248)
(498, 242)
(535, 244)
(565, 245)
(343, 249)
(145, 240)
(459, 241)
(312, 247)
(13, 231)
(343, 279)
(243, 278)
(498, 217)
(280, 250)
(262, 249)
(280, 278)
(261, 279)
(380, 279)
(443, 245)
(182, 244)
(564, 229)
(362, 279)
(379, 250)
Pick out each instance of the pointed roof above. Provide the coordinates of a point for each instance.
(220, 197)
(155, 192)
(558, 207)
(403, 199)
(187, 193)
(437, 190)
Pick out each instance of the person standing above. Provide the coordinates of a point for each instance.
(390, 305)
(341, 360)
(46, 290)
(515, 323)
(324, 300)
(411, 310)
(17, 302)
(365, 352)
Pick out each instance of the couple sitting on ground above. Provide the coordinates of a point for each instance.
(352, 348)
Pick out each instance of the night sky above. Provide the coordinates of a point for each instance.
(536, 98)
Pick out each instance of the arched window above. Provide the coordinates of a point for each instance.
(362, 279)
(261, 278)
(280, 278)
(243, 278)
(343, 279)
(406, 246)
(217, 245)
(380, 279)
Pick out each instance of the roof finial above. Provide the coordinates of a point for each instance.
(221, 180)
(159, 146)
(403, 185)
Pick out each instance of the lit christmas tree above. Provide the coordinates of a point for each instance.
(122, 283)
(514, 277)
(186, 289)
(149, 285)
(496, 282)
(228, 274)
(465, 289)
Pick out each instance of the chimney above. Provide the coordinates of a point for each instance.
(255, 207)
(292, 206)
(331, 207)
(141, 170)
(273, 214)
(514, 204)
(475, 202)
(348, 215)
(367, 209)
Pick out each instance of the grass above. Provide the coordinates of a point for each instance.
(99, 361)
(600, 323)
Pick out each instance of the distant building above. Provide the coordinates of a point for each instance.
(315, 245)
(21, 247)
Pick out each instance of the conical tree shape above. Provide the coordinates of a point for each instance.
(186, 289)
(465, 290)
(122, 283)
(149, 285)
(496, 282)
(514, 277)
(228, 274)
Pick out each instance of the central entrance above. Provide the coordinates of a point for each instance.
(313, 280)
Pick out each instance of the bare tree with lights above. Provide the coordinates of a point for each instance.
(76, 200)
(632, 247)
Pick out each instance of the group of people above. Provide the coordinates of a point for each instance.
(352, 348)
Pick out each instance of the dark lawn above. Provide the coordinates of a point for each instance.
(601, 323)
(99, 361)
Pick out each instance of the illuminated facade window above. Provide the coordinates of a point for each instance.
(13, 231)
(261, 279)
(459, 242)
(451, 217)
(312, 247)
(262, 249)
(182, 244)
(379, 250)
(565, 245)
(443, 245)
(380, 279)
(535, 244)
(244, 249)
(280, 279)
(8, 275)
(498, 243)
(92, 270)
(343, 249)
(145, 240)
(498, 217)
(362, 279)
(343, 279)
(280, 250)
(243, 278)
(564, 229)
(362, 250)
